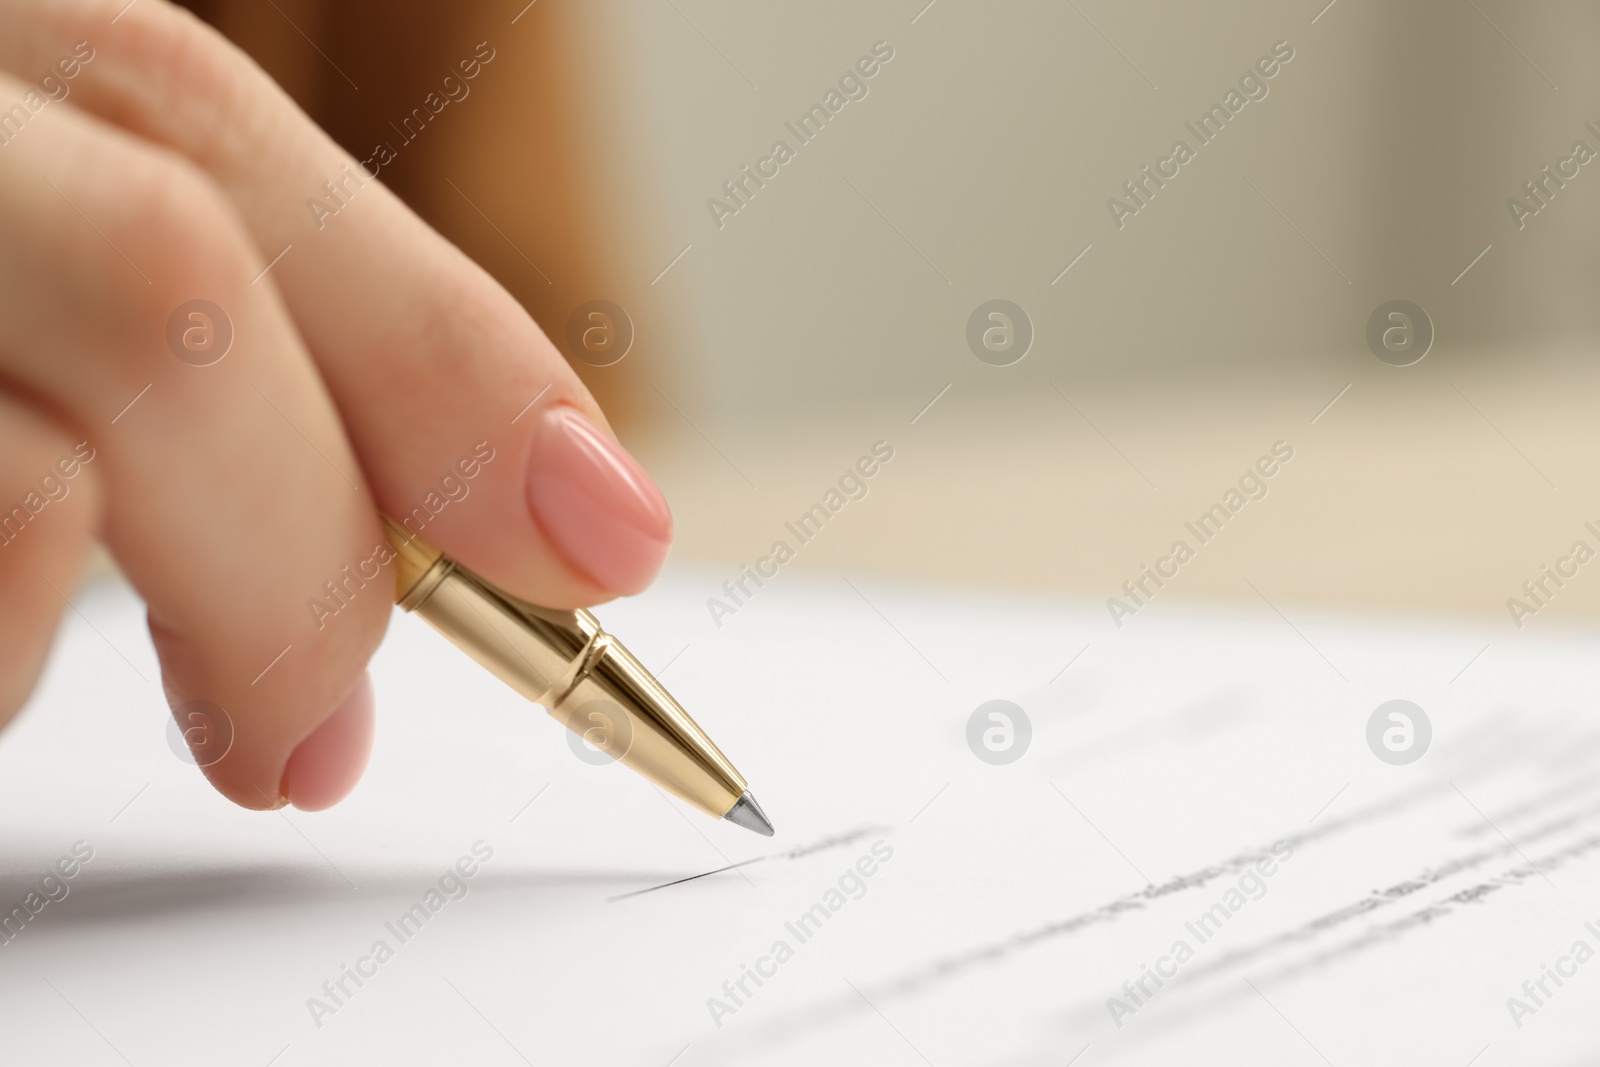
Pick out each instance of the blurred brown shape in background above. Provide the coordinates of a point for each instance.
(507, 172)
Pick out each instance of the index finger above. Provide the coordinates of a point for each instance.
(472, 429)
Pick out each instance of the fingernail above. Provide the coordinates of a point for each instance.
(328, 764)
(595, 504)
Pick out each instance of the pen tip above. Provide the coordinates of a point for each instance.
(748, 814)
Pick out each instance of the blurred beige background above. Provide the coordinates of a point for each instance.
(1225, 316)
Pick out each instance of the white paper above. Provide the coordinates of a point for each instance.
(1006, 905)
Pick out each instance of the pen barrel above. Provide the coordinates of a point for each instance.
(584, 677)
(538, 652)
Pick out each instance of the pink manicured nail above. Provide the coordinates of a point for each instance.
(328, 764)
(595, 504)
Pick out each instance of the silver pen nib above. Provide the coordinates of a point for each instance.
(748, 814)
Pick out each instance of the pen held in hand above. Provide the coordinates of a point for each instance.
(563, 661)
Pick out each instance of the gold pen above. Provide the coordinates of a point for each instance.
(564, 662)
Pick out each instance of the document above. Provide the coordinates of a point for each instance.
(1009, 832)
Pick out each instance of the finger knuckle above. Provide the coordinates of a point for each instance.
(194, 78)
(181, 230)
(185, 70)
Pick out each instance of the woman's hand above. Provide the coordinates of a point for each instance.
(154, 189)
